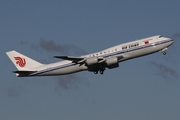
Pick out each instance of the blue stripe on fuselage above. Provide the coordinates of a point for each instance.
(104, 56)
(52, 69)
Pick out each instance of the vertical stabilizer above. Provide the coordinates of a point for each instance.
(22, 62)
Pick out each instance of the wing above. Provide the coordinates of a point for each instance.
(95, 64)
(83, 59)
(71, 58)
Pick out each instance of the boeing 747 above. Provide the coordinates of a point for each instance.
(94, 62)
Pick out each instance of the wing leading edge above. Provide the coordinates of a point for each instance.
(71, 58)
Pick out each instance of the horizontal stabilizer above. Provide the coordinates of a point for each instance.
(23, 73)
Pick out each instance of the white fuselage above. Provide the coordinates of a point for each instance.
(127, 50)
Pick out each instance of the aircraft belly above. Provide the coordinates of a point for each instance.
(66, 70)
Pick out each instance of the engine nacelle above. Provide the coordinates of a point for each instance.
(91, 61)
(112, 62)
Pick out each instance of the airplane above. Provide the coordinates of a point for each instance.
(94, 62)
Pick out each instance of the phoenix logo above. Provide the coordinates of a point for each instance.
(20, 61)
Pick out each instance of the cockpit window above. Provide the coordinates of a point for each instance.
(160, 36)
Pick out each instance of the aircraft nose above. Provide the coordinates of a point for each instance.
(172, 41)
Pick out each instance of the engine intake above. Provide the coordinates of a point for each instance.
(112, 62)
(91, 61)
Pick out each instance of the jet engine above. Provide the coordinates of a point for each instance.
(112, 62)
(91, 61)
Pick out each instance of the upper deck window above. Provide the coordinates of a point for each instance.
(133, 45)
(160, 36)
(124, 47)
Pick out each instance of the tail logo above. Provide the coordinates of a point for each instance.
(20, 61)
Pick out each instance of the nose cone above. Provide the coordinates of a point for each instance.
(172, 41)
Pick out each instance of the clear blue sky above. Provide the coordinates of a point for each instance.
(146, 88)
